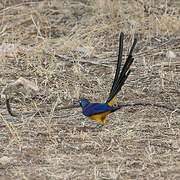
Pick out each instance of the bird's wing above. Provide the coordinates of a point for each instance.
(96, 108)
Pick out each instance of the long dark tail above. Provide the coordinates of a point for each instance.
(120, 78)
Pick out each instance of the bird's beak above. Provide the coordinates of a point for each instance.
(76, 101)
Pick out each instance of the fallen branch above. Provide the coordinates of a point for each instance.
(119, 106)
(11, 118)
(106, 63)
(149, 104)
(67, 58)
(9, 107)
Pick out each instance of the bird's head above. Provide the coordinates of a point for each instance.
(83, 102)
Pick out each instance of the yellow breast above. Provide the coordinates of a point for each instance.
(100, 117)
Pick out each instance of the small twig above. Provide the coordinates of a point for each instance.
(158, 46)
(172, 81)
(69, 107)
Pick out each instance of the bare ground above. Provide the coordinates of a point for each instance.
(136, 142)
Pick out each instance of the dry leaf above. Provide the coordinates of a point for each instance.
(21, 86)
(28, 86)
(26, 83)
(5, 160)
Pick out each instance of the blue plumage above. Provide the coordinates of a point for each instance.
(96, 108)
(90, 109)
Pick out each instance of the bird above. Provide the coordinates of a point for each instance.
(100, 111)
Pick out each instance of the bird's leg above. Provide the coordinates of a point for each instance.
(98, 127)
(103, 120)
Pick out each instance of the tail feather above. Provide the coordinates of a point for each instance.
(120, 78)
(118, 88)
(118, 67)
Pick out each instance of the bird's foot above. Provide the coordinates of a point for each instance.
(97, 128)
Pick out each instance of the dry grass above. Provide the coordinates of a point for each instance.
(136, 142)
